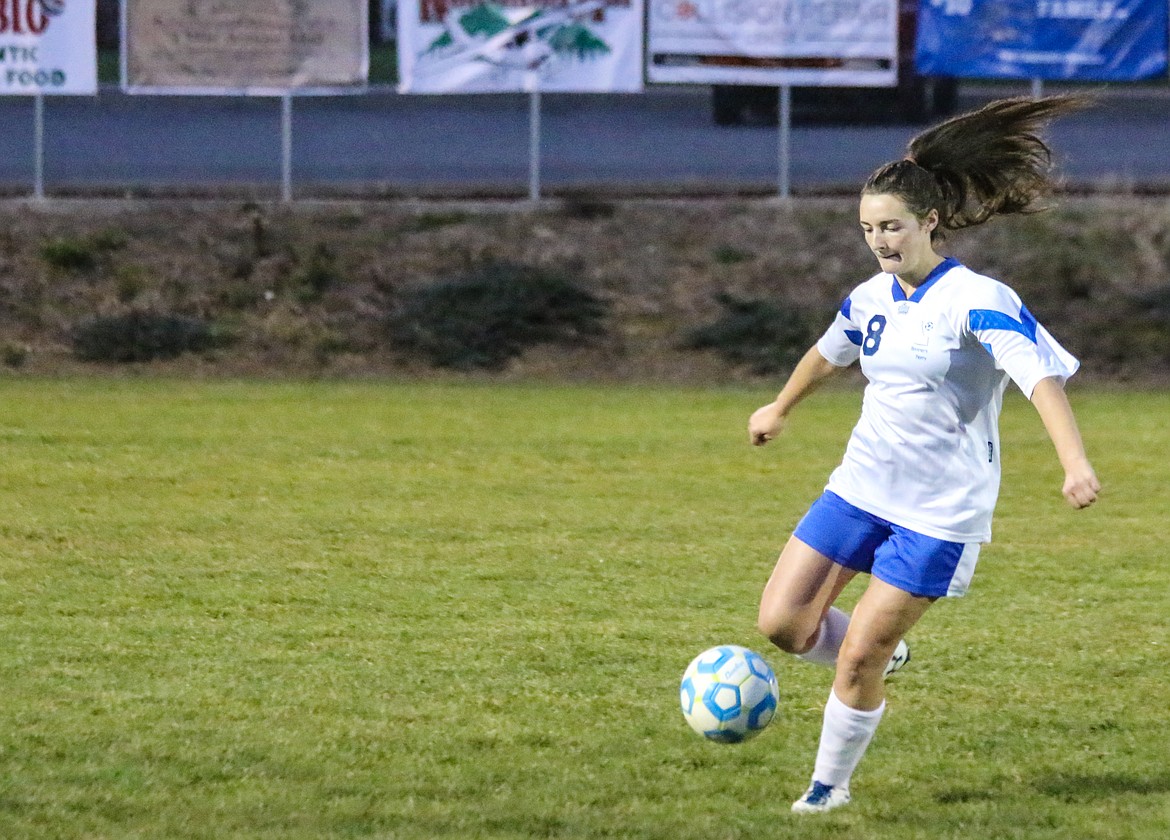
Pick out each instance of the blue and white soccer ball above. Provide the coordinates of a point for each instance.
(729, 694)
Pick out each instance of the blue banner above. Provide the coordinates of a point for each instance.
(1081, 40)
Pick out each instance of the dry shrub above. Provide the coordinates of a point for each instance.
(138, 336)
(491, 314)
(766, 337)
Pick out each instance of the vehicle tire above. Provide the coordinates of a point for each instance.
(944, 95)
(726, 105)
(912, 96)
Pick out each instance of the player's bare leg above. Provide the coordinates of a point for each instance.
(797, 597)
(882, 618)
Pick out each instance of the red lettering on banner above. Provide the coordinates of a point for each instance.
(21, 17)
(432, 10)
(38, 21)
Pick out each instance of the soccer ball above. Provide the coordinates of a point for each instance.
(729, 694)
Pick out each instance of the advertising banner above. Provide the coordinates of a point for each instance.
(1074, 40)
(262, 47)
(774, 42)
(473, 46)
(48, 47)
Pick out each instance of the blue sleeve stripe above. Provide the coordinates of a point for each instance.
(1029, 321)
(846, 307)
(993, 319)
(854, 336)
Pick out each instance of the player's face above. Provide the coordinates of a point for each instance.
(899, 239)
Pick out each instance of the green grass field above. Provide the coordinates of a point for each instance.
(309, 610)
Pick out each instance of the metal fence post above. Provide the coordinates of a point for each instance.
(785, 140)
(286, 147)
(533, 85)
(39, 146)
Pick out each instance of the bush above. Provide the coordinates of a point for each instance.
(69, 254)
(1123, 336)
(587, 207)
(492, 314)
(81, 254)
(428, 221)
(730, 255)
(765, 337)
(140, 337)
(318, 275)
(14, 355)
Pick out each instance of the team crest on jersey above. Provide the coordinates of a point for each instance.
(920, 347)
(903, 308)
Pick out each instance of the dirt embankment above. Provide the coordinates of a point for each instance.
(308, 288)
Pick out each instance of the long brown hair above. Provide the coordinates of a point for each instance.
(977, 165)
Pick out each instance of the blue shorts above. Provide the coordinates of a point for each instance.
(911, 561)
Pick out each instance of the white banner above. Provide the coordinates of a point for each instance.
(261, 47)
(849, 43)
(475, 46)
(48, 46)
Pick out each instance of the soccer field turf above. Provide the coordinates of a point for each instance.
(311, 610)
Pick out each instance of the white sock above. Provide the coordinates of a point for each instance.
(846, 734)
(828, 643)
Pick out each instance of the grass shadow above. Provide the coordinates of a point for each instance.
(959, 796)
(1079, 787)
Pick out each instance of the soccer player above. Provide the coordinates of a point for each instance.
(912, 500)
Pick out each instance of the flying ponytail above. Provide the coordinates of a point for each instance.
(984, 163)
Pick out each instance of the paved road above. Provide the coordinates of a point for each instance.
(658, 141)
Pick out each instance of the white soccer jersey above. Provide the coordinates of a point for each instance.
(925, 452)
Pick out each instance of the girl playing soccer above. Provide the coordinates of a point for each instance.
(912, 500)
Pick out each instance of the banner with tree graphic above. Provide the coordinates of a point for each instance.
(490, 46)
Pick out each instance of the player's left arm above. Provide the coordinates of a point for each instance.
(1080, 481)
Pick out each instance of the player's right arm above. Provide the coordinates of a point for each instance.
(1081, 485)
(768, 421)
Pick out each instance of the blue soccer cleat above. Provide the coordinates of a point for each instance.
(820, 798)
